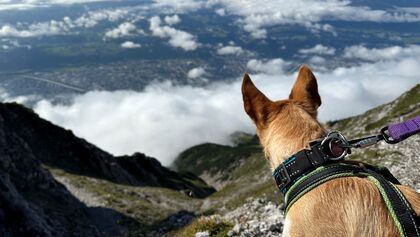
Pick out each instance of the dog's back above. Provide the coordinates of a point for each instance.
(344, 207)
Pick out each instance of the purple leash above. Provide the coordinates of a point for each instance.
(401, 131)
(392, 134)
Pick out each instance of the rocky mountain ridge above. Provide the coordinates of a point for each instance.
(33, 203)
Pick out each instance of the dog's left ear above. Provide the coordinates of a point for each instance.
(305, 90)
(256, 104)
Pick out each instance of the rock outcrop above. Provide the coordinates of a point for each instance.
(33, 203)
(60, 148)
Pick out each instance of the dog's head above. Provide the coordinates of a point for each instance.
(285, 126)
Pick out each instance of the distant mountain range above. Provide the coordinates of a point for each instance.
(55, 184)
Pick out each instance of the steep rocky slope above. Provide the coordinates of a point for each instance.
(59, 148)
(33, 203)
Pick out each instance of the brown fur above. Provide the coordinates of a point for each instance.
(340, 207)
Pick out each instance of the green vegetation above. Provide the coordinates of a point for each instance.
(146, 205)
(407, 102)
(406, 106)
(403, 106)
(214, 158)
(242, 168)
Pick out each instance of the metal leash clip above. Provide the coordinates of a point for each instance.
(336, 146)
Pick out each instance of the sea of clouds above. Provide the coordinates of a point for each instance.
(164, 119)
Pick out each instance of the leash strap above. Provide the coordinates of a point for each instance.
(401, 131)
(401, 211)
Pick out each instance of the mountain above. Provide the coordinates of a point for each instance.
(216, 162)
(34, 203)
(59, 148)
(247, 192)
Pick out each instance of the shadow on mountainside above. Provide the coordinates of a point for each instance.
(33, 203)
(60, 148)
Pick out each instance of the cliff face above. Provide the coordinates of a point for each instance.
(59, 148)
(33, 203)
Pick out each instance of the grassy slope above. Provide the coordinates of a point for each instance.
(242, 170)
(214, 158)
(405, 107)
(147, 205)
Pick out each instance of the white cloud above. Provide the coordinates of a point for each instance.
(230, 49)
(130, 45)
(172, 20)
(179, 6)
(317, 60)
(375, 54)
(162, 121)
(177, 38)
(272, 66)
(37, 29)
(221, 12)
(256, 16)
(196, 72)
(124, 29)
(319, 49)
(7, 98)
(92, 18)
(10, 31)
(64, 26)
(165, 119)
(12, 43)
(30, 4)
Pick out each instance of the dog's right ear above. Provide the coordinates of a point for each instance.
(305, 90)
(256, 104)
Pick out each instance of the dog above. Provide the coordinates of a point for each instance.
(349, 206)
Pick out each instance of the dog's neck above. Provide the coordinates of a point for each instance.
(284, 137)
